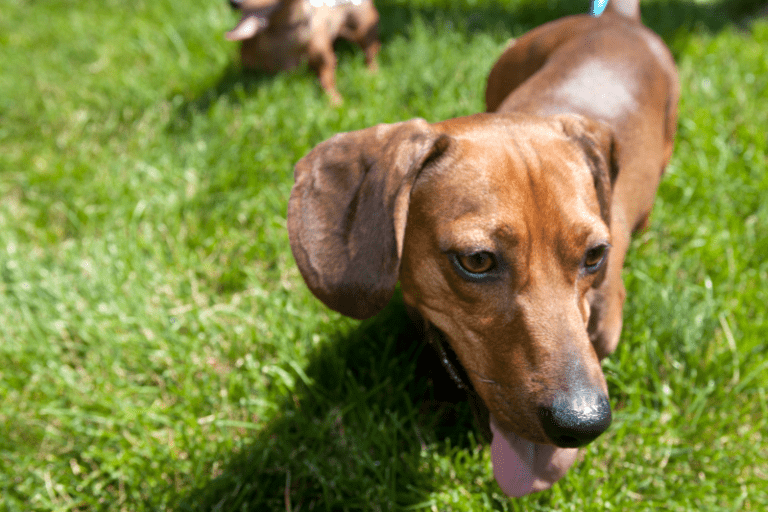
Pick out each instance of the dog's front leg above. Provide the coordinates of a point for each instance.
(323, 61)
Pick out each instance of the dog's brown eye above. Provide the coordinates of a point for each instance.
(594, 258)
(477, 262)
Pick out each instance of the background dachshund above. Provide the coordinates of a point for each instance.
(279, 35)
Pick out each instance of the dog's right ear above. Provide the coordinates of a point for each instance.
(598, 143)
(348, 209)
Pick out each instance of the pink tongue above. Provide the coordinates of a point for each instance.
(522, 467)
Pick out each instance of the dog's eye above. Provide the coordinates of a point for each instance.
(594, 258)
(477, 262)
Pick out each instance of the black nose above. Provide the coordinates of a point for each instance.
(577, 419)
(235, 4)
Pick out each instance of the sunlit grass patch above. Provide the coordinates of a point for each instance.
(159, 350)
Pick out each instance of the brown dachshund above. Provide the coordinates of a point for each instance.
(507, 230)
(280, 34)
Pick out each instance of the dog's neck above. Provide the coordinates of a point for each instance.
(456, 371)
(447, 357)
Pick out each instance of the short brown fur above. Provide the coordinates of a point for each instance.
(580, 125)
(280, 34)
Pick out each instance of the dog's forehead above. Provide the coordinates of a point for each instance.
(499, 179)
(510, 162)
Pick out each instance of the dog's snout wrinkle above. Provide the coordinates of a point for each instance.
(576, 419)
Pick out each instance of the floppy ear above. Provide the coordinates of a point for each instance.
(255, 19)
(597, 141)
(247, 27)
(348, 208)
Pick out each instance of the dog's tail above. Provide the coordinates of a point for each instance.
(627, 8)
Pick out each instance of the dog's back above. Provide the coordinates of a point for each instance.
(600, 67)
(609, 68)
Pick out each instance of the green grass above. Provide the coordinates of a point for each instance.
(159, 350)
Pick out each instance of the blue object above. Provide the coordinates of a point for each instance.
(597, 7)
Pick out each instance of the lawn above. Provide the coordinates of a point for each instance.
(160, 351)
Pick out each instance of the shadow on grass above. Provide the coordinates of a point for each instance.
(673, 20)
(233, 82)
(351, 435)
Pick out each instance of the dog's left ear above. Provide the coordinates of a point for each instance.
(599, 146)
(348, 210)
